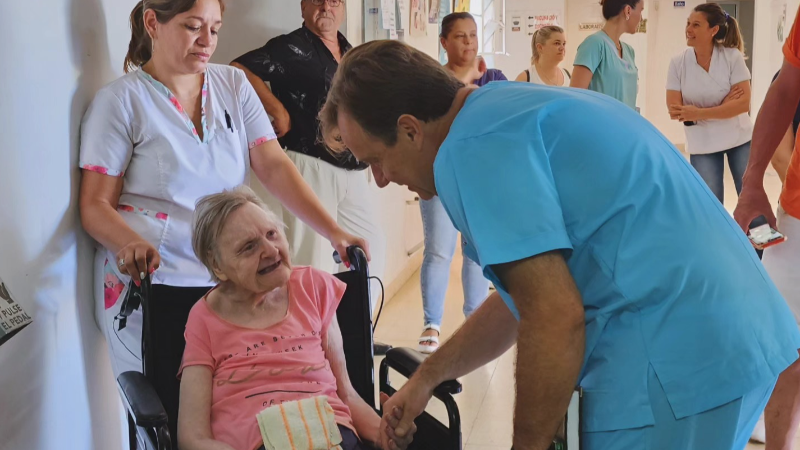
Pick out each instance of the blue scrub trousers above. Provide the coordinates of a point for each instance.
(727, 427)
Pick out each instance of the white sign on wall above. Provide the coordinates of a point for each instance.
(537, 20)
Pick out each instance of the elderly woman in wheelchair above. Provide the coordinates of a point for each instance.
(264, 359)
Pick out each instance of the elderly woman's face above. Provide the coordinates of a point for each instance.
(252, 251)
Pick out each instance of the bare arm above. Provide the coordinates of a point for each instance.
(783, 154)
(366, 421)
(550, 345)
(99, 199)
(522, 76)
(775, 117)
(729, 109)
(194, 413)
(674, 98)
(485, 336)
(273, 106)
(581, 77)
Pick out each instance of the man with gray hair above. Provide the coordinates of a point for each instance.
(299, 67)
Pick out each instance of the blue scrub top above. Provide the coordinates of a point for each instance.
(668, 279)
(611, 75)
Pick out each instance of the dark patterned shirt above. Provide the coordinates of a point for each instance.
(299, 68)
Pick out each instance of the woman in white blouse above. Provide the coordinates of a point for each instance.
(708, 90)
(548, 46)
(172, 130)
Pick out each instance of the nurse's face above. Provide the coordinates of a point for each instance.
(186, 43)
(252, 252)
(698, 31)
(407, 163)
(461, 44)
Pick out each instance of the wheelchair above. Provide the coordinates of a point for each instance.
(150, 428)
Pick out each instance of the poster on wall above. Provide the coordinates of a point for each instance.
(461, 6)
(402, 15)
(419, 19)
(433, 15)
(388, 19)
(12, 317)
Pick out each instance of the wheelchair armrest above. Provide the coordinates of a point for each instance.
(142, 401)
(406, 361)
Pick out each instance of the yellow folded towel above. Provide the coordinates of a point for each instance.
(301, 425)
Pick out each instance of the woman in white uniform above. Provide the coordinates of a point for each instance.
(548, 46)
(708, 90)
(172, 130)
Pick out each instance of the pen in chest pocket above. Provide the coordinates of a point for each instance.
(228, 122)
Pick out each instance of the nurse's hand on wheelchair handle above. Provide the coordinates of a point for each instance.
(138, 259)
(389, 439)
(341, 240)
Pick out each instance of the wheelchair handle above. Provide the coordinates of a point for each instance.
(355, 254)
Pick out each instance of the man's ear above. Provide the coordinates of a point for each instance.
(409, 127)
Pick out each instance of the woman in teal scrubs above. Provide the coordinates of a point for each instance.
(604, 63)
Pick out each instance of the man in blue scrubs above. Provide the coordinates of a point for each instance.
(616, 267)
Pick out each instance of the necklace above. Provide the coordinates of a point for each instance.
(707, 64)
(549, 81)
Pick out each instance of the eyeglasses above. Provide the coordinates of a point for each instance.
(333, 3)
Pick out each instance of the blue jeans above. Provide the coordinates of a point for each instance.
(440, 246)
(711, 168)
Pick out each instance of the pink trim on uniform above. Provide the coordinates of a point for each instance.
(102, 170)
(262, 140)
(143, 212)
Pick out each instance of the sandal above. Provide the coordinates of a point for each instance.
(429, 344)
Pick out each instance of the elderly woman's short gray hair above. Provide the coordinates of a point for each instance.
(210, 216)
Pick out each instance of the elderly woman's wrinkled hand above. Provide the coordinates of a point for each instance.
(390, 440)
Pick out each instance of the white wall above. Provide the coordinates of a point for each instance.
(57, 387)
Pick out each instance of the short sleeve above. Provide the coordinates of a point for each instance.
(106, 137)
(257, 126)
(674, 76)
(260, 61)
(501, 194)
(329, 293)
(198, 342)
(500, 76)
(590, 53)
(791, 49)
(739, 70)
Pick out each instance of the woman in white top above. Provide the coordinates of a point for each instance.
(172, 130)
(708, 90)
(548, 46)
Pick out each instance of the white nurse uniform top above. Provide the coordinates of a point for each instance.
(136, 129)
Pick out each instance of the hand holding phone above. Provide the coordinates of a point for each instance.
(765, 236)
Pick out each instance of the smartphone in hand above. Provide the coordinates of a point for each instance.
(765, 236)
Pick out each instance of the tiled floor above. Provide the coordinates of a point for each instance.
(487, 401)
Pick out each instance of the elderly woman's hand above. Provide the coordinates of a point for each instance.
(391, 441)
(341, 240)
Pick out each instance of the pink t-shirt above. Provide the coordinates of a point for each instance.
(256, 369)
